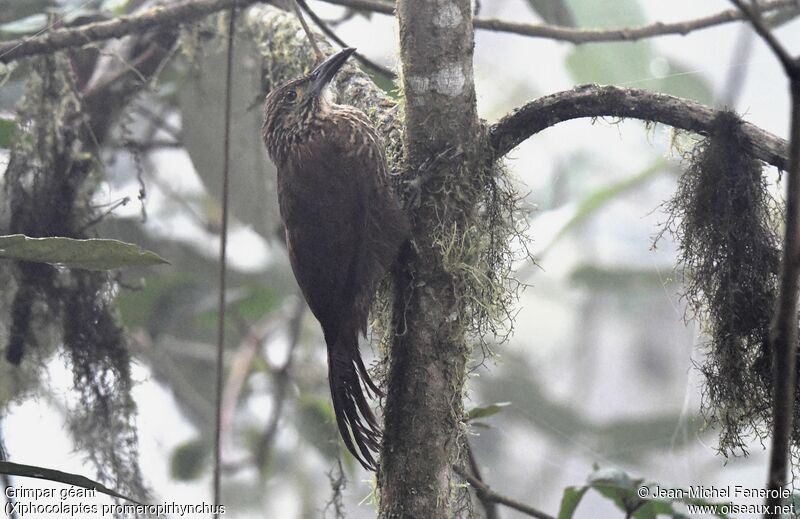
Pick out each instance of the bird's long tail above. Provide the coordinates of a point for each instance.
(349, 381)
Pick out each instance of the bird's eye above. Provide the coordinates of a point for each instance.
(291, 95)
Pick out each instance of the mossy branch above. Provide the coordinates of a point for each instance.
(612, 101)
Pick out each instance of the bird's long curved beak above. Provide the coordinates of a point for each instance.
(325, 71)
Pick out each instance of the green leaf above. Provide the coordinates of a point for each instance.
(31, 471)
(635, 64)
(18, 9)
(618, 487)
(681, 81)
(590, 13)
(383, 82)
(601, 197)
(315, 421)
(257, 302)
(609, 63)
(29, 24)
(570, 501)
(652, 509)
(249, 303)
(480, 425)
(489, 410)
(555, 12)
(624, 491)
(188, 460)
(8, 127)
(620, 280)
(91, 254)
(117, 7)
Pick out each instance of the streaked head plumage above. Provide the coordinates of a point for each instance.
(290, 107)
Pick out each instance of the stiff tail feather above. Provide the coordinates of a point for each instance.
(357, 424)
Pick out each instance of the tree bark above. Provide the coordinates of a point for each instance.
(784, 332)
(427, 361)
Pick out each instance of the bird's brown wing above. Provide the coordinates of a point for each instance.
(324, 220)
(324, 208)
(386, 225)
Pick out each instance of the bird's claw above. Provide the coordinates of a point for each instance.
(413, 186)
(413, 193)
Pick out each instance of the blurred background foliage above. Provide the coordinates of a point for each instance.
(600, 368)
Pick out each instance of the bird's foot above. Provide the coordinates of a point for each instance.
(426, 171)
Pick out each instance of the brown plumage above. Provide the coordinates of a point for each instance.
(344, 228)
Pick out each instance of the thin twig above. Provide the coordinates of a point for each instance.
(338, 484)
(783, 336)
(489, 507)
(320, 56)
(580, 36)
(166, 362)
(484, 492)
(240, 369)
(100, 217)
(226, 145)
(327, 31)
(159, 121)
(131, 67)
(790, 64)
(187, 12)
(281, 388)
(150, 145)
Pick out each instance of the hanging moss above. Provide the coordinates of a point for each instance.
(103, 424)
(39, 200)
(49, 184)
(723, 218)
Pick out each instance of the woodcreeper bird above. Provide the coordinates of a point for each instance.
(344, 228)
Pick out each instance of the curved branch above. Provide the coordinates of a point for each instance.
(611, 101)
(192, 10)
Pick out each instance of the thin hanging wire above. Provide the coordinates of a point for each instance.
(226, 146)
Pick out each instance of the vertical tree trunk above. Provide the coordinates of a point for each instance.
(427, 361)
(784, 333)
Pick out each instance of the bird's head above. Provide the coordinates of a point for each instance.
(289, 109)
